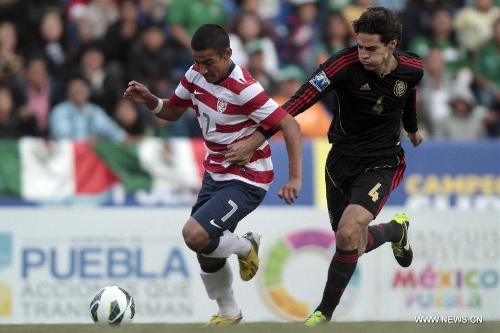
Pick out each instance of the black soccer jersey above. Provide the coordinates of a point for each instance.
(369, 108)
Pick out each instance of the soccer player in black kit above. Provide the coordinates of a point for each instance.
(375, 89)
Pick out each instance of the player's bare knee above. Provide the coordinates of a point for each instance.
(195, 236)
(346, 238)
(192, 239)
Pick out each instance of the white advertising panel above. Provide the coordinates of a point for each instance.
(52, 261)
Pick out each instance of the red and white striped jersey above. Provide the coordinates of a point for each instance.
(230, 111)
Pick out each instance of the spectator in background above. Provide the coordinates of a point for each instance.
(257, 66)
(152, 11)
(268, 9)
(255, 7)
(418, 14)
(151, 61)
(334, 37)
(119, 37)
(106, 82)
(36, 92)
(486, 68)
(88, 20)
(99, 15)
(474, 24)
(13, 123)
(183, 18)
(17, 12)
(492, 122)
(315, 122)
(52, 44)
(11, 61)
(298, 46)
(78, 119)
(455, 5)
(35, 9)
(8, 117)
(466, 120)
(128, 115)
(249, 30)
(353, 12)
(434, 91)
(441, 33)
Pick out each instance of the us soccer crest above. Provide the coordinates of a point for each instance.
(221, 105)
(399, 88)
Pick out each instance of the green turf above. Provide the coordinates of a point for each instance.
(334, 327)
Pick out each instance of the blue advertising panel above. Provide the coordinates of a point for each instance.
(441, 174)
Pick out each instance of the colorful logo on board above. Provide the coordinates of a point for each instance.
(282, 254)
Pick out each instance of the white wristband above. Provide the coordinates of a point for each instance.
(158, 107)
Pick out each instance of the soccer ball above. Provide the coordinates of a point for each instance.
(112, 305)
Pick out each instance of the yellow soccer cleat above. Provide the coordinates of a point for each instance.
(315, 319)
(402, 249)
(250, 264)
(217, 320)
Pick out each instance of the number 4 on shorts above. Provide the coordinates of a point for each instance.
(373, 192)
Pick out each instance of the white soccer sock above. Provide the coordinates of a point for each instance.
(219, 287)
(229, 244)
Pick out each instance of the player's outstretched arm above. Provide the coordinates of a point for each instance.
(293, 139)
(162, 108)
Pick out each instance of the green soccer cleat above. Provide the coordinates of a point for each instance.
(217, 320)
(250, 264)
(402, 249)
(315, 319)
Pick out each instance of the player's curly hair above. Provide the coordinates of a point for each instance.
(379, 21)
(210, 36)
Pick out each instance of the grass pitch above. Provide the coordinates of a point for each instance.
(344, 327)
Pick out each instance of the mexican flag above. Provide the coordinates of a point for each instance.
(152, 171)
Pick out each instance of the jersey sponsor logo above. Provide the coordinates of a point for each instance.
(221, 105)
(320, 81)
(365, 86)
(196, 92)
(399, 88)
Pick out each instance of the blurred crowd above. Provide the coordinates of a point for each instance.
(64, 64)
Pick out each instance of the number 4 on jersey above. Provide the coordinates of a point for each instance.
(378, 107)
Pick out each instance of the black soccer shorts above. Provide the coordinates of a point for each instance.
(363, 180)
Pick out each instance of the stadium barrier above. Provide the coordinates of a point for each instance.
(53, 259)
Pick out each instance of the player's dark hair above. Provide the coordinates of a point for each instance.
(379, 21)
(210, 36)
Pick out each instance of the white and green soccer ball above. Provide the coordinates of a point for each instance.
(112, 305)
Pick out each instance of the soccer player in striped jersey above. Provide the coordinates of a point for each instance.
(230, 105)
(375, 89)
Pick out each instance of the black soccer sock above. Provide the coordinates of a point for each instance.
(214, 267)
(341, 269)
(381, 233)
(214, 243)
